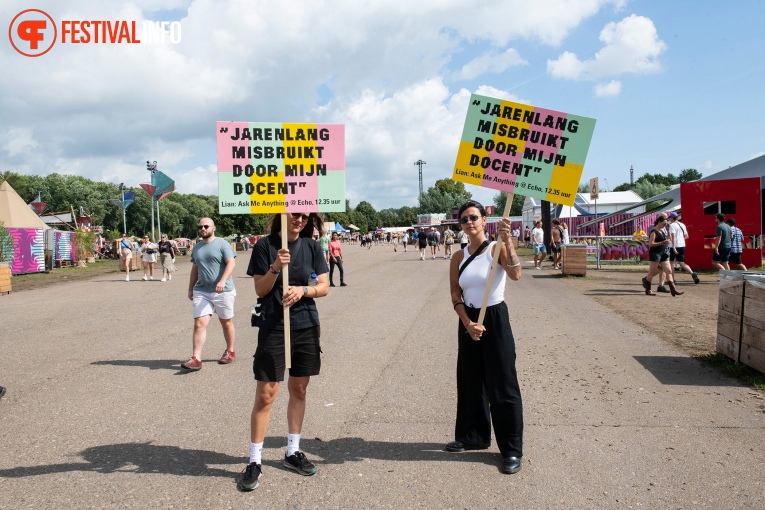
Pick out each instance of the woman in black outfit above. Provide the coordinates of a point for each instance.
(487, 381)
(658, 254)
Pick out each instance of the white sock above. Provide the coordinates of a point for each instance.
(256, 453)
(293, 443)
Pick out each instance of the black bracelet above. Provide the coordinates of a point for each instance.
(272, 270)
(458, 303)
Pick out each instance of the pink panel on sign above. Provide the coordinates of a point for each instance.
(334, 149)
(544, 144)
(224, 142)
(305, 198)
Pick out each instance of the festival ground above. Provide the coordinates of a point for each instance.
(99, 414)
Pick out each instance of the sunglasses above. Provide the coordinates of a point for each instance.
(302, 216)
(469, 217)
(201, 227)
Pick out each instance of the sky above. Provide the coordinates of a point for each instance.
(673, 85)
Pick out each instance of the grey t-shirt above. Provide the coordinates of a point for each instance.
(723, 230)
(210, 259)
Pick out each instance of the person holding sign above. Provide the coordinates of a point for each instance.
(307, 281)
(487, 382)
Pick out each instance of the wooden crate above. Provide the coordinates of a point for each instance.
(5, 279)
(753, 331)
(729, 305)
(574, 259)
(741, 318)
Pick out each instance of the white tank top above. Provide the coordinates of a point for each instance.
(473, 279)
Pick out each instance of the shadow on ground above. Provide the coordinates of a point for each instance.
(683, 371)
(151, 458)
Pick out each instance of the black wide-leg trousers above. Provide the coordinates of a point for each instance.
(339, 265)
(487, 385)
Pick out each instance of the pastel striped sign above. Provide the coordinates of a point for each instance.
(271, 167)
(523, 149)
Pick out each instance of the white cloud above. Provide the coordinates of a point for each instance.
(632, 46)
(102, 111)
(612, 88)
(491, 62)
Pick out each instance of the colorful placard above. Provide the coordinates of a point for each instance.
(272, 167)
(523, 149)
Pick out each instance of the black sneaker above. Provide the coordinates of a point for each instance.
(298, 462)
(250, 478)
(2, 391)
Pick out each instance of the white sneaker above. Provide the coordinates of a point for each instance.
(169, 276)
(144, 278)
(127, 278)
(163, 280)
(151, 277)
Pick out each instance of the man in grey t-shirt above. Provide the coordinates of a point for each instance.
(211, 289)
(722, 243)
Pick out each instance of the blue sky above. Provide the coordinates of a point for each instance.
(673, 85)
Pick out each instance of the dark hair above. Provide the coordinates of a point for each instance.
(720, 217)
(472, 203)
(556, 221)
(315, 221)
(659, 219)
(730, 221)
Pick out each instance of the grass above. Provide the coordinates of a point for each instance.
(744, 374)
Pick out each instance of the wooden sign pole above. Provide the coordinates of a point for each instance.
(285, 286)
(495, 258)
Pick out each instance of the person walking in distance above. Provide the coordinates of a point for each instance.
(557, 242)
(306, 267)
(677, 236)
(448, 242)
(126, 255)
(211, 289)
(736, 245)
(487, 380)
(167, 258)
(658, 254)
(405, 239)
(722, 243)
(538, 241)
(422, 243)
(336, 259)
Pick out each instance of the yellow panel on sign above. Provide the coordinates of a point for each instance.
(567, 179)
(462, 170)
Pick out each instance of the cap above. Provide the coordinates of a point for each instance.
(673, 215)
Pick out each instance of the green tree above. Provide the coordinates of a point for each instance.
(584, 188)
(454, 188)
(366, 214)
(689, 174)
(500, 200)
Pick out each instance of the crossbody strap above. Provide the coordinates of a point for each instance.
(474, 255)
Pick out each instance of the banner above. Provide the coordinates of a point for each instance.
(270, 167)
(523, 149)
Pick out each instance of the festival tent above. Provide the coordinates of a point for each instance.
(338, 227)
(353, 227)
(14, 212)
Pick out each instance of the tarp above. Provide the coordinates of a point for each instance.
(353, 227)
(339, 227)
(14, 212)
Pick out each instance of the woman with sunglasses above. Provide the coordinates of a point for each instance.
(307, 281)
(658, 254)
(487, 382)
(166, 258)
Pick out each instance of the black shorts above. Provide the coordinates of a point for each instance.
(661, 256)
(722, 256)
(269, 363)
(679, 256)
(555, 247)
(735, 258)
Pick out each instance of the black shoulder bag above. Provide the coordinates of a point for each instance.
(470, 258)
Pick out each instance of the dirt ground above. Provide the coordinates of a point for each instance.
(688, 321)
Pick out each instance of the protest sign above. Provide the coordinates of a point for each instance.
(271, 167)
(523, 149)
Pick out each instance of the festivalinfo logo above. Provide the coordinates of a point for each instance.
(33, 32)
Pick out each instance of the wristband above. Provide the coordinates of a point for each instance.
(514, 265)
(272, 270)
(458, 303)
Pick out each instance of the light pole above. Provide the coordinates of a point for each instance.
(124, 218)
(419, 163)
(152, 167)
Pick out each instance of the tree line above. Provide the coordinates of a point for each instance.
(180, 212)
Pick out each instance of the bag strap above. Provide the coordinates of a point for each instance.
(470, 259)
